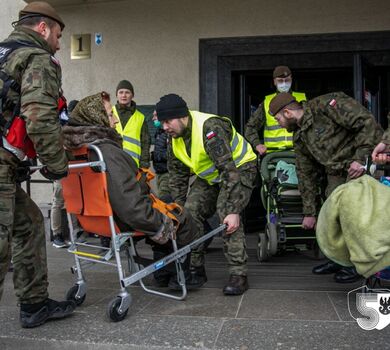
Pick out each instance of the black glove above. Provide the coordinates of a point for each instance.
(23, 172)
(50, 175)
(167, 198)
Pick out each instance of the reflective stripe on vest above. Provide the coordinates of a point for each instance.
(131, 134)
(274, 135)
(199, 162)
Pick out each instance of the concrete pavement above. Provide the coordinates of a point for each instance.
(286, 308)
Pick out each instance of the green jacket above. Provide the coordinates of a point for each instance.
(218, 149)
(335, 130)
(39, 75)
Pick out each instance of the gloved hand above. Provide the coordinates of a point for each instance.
(50, 175)
(167, 198)
(23, 172)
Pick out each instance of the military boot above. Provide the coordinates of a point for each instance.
(195, 278)
(33, 315)
(237, 285)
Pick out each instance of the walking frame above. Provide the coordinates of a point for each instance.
(86, 196)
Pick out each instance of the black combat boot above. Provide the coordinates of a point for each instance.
(33, 315)
(347, 275)
(327, 268)
(237, 285)
(195, 278)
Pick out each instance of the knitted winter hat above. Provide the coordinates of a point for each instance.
(171, 106)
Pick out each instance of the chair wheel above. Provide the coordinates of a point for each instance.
(262, 250)
(113, 311)
(71, 295)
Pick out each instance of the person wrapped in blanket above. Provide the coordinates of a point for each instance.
(130, 196)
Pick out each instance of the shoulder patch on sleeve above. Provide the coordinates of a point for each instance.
(55, 60)
(210, 135)
(332, 102)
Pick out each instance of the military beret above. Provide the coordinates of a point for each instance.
(171, 106)
(279, 102)
(41, 9)
(125, 84)
(281, 72)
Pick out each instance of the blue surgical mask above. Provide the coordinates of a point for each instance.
(284, 87)
(157, 123)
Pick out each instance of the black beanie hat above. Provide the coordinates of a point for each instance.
(125, 84)
(171, 106)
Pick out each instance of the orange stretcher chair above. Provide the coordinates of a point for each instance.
(86, 196)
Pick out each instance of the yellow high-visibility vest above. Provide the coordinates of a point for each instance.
(199, 162)
(274, 135)
(131, 134)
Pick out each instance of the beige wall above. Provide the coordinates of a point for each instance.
(9, 13)
(154, 43)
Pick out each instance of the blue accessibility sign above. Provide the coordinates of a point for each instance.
(98, 38)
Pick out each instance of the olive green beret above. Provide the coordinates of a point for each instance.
(279, 102)
(41, 8)
(281, 72)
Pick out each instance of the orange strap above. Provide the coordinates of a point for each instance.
(158, 204)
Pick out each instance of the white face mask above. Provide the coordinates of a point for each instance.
(283, 87)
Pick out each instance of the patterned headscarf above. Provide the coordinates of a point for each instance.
(90, 111)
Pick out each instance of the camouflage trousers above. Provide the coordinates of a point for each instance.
(163, 184)
(22, 233)
(203, 201)
(333, 181)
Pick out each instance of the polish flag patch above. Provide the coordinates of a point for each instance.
(210, 135)
(332, 102)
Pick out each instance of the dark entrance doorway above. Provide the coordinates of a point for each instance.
(235, 75)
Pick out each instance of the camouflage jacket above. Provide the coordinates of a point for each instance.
(39, 75)
(125, 114)
(335, 130)
(255, 125)
(386, 135)
(218, 149)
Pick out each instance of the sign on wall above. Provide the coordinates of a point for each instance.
(80, 46)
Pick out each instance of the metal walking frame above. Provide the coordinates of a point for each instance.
(86, 196)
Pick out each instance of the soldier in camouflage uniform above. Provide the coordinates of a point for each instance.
(332, 132)
(137, 145)
(273, 137)
(225, 168)
(38, 74)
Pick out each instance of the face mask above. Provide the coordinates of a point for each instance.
(157, 123)
(284, 87)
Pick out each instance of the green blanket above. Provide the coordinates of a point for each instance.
(353, 227)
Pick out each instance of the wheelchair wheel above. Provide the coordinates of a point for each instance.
(272, 235)
(262, 248)
(113, 310)
(71, 295)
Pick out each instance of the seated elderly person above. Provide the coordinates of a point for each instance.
(92, 122)
(354, 224)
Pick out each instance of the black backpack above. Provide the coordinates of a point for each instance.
(7, 82)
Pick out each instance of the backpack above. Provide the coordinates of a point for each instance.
(7, 82)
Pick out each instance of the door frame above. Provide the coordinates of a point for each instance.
(220, 57)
